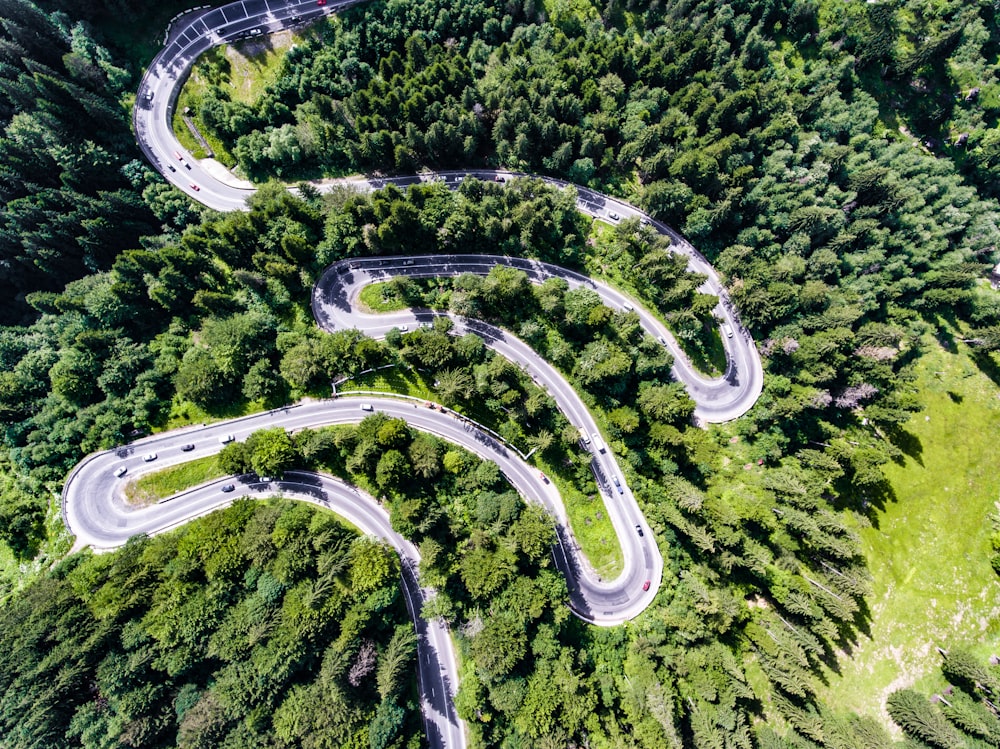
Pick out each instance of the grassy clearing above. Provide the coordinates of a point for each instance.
(152, 487)
(185, 413)
(394, 381)
(243, 70)
(707, 353)
(379, 297)
(590, 523)
(929, 549)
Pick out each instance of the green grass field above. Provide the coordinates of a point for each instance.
(159, 485)
(929, 550)
(244, 70)
(394, 380)
(373, 299)
(590, 523)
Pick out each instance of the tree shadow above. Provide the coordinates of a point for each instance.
(986, 364)
(908, 443)
(868, 500)
(955, 397)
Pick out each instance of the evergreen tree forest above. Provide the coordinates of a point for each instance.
(72, 181)
(260, 625)
(837, 163)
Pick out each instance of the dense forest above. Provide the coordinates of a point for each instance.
(260, 625)
(835, 161)
(72, 184)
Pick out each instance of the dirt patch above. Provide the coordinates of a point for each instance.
(255, 63)
(136, 497)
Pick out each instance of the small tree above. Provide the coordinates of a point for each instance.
(271, 452)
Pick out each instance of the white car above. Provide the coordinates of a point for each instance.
(149, 457)
(121, 471)
(367, 407)
(226, 439)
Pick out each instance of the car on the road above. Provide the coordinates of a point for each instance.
(598, 445)
(178, 155)
(226, 439)
(171, 167)
(320, 2)
(543, 477)
(613, 216)
(403, 328)
(645, 585)
(121, 471)
(256, 32)
(367, 407)
(662, 340)
(149, 457)
(499, 178)
(617, 483)
(729, 331)
(188, 447)
(229, 487)
(627, 307)
(638, 529)
(195, 187)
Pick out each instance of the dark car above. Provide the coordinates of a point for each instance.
(229, 488)
(188, 447)
(638, 529)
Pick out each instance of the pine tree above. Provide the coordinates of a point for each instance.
(919, 719)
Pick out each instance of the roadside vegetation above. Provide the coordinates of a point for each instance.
(152, 487)
(245, 68)
(156, 645)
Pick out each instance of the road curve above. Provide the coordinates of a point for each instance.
(717, 400)
(96, 514)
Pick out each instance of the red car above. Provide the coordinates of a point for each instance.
(195, 187)
(645, 585)
(178, 155)
(320, 2)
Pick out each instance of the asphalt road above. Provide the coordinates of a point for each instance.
(95, 512)
(717, 400)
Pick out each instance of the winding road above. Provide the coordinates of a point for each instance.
(92, 504)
